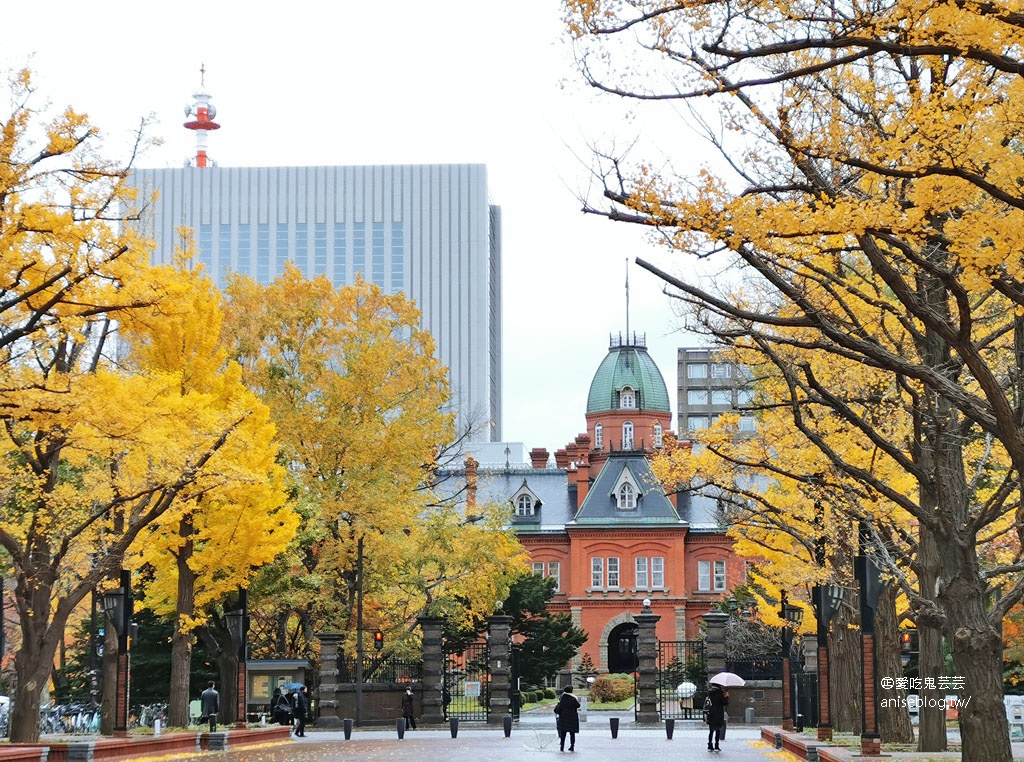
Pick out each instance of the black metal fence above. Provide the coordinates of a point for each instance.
(682, 679)
(380, 670)
(465, 691)
(756, 668)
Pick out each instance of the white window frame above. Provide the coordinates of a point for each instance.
(555, 572)
(538, 568)
(598, 435)
(626, 497)
(697, 370)
(627, 435)
(744, 396)
(721, 370)
(524, 505)
(696, 422)
(613, 572)
(641, 573)
(696, 396)
(721, 396)
(658, 434)
(720, 580)
(658, 572)
(704, 576)
(747, 423)
(627, 398)
(597, 572)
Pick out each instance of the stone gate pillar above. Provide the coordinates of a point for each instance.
(714, 641)
(647, 683)
(329, 706)
(433, 670)
(499, 657)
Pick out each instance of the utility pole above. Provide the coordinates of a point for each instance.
(359, 631)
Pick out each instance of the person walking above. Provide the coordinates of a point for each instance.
(408, 702)
(301, 711)
(568, 721)
(280, 709)
(210, 705)
(717, 701)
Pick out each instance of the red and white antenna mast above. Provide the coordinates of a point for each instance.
(203, 112)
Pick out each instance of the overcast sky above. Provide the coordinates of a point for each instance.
(408, 81)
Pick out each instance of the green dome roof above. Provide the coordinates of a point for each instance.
(628, 364)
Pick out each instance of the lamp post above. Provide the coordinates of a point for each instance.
(790, 615)
(118, 605)
(826, 599)
(866, 572)
(238, 626)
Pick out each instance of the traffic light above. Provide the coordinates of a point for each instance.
(908, 641)
(378, 640)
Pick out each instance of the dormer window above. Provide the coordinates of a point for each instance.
(524, 505)
(627, 435)
(657, 434)
(627, 398)
(598, 436)
(525, 502)
(626, 492)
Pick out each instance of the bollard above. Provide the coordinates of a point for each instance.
(614, 723)
(453, 724)
(670, 727)
(506, 725)
(400, 727)
(157, 729)
(348, 728)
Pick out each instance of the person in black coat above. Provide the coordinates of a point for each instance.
(280, 709)
(210, 701)
(718, 700)
(408, 706)
(301, 711)
(568, 721)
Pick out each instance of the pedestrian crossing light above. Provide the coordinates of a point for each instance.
(378, 640)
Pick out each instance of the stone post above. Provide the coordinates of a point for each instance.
(329, 711)
(714, 641)
(647, 683)
(433, 670)
(499, 656)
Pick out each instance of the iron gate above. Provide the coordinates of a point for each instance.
(465, 686)
(682, 679)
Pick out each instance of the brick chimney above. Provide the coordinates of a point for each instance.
(562, 459)
(582, 477)
(539, 457)
(471, 468)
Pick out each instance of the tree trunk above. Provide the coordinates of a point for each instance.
(931, 661)
(181, 640)
(893, 714)
(844, 667)
(227, 664)
(32, 664)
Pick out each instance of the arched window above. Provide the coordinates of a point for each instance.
(524, 506)
(627, 435)
(598, 436)
(657, 434)
(627, 398)
(627, 497)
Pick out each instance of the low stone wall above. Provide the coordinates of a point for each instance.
(112, 749)
(382, 704)
(763, 696)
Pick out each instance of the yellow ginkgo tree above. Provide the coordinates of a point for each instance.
(869, 197)
(205, 548)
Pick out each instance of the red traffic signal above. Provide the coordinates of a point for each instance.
(378, 640)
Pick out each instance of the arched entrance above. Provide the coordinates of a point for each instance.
(623, 655)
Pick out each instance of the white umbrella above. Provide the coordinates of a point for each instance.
(686, 690)
(727, 680)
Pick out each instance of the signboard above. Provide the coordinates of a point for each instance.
(473, 688)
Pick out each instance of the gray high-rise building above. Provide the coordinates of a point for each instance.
(426, 230)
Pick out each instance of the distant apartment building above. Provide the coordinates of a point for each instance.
(708, 387)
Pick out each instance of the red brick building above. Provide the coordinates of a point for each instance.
(598, 522)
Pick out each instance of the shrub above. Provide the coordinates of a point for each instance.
(611, 688)
(549, 693)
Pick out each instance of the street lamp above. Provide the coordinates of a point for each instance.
(117, 604)
(866, 572)
(790, 615)
(826, 600)
(238, 626)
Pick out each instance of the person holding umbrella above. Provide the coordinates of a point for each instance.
(715, 704)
